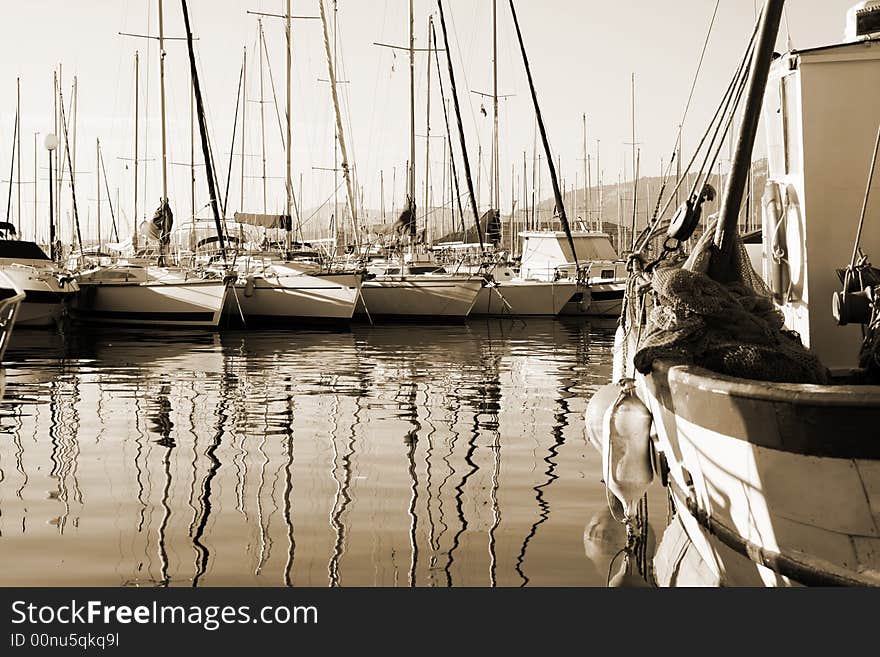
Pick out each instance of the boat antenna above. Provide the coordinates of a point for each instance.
(726, 229)
(464, 152)
(563, 218)
(203, 132)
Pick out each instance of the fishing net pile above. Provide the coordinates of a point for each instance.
(732, 328)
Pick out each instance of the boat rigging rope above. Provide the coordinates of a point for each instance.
(857, 244)
(717, 120)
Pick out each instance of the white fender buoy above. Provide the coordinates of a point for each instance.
(249, 286)
(594, 418)
(626, 578)
(626, 448)
(618, 367)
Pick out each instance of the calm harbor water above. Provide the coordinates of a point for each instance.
(376, 456)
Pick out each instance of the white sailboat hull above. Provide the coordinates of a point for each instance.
(46, 298)
(163, 299)
(421, 296)
(294, 295)
(524, 298)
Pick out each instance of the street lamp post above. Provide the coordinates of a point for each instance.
(51, 145)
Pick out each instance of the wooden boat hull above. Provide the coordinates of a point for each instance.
(522, 298)
(292, 295)
(421, 297)
(785, 475)
(156, 302)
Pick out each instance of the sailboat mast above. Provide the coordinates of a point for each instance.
(412, 110)
(464, 152)
(496, 175)
(289, 182)
(243, 121)
(560, 204)
(134, 233)
(98, 181)
(262, 116)
(18, 144)
(36, 186)
(203, 132)
(428, 126)
(586, 176)
(345, 166)
(162, 103)
(192, 167)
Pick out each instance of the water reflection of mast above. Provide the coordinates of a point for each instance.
(163, 425)
(288, 487)
(459, 495)
(343, 497)
(411, 441)
(203, 554)
(57, 473)
(265, 538)
(543, 506)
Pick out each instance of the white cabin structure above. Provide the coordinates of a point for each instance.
(821, 115)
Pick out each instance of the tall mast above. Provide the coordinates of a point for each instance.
(162, 103)
(134, 234)
(586, 177)
(289, 186)
(98, 181)
(345, 167)
(18, 144)
(203, 132)
(563, 218)
(464, 152)
(496, 176)
(243, 121)
(412, 110)
(428, 126)
(262, 115)
(192, 166)
(36, 185)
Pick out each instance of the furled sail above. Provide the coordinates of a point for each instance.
(282, 221)
(159, 227)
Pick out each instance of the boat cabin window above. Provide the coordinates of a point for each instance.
(21, 250)
(607, 273)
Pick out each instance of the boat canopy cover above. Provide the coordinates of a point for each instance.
(21, 250)
(282, 221)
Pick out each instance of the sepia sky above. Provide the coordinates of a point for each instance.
(582, 54)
